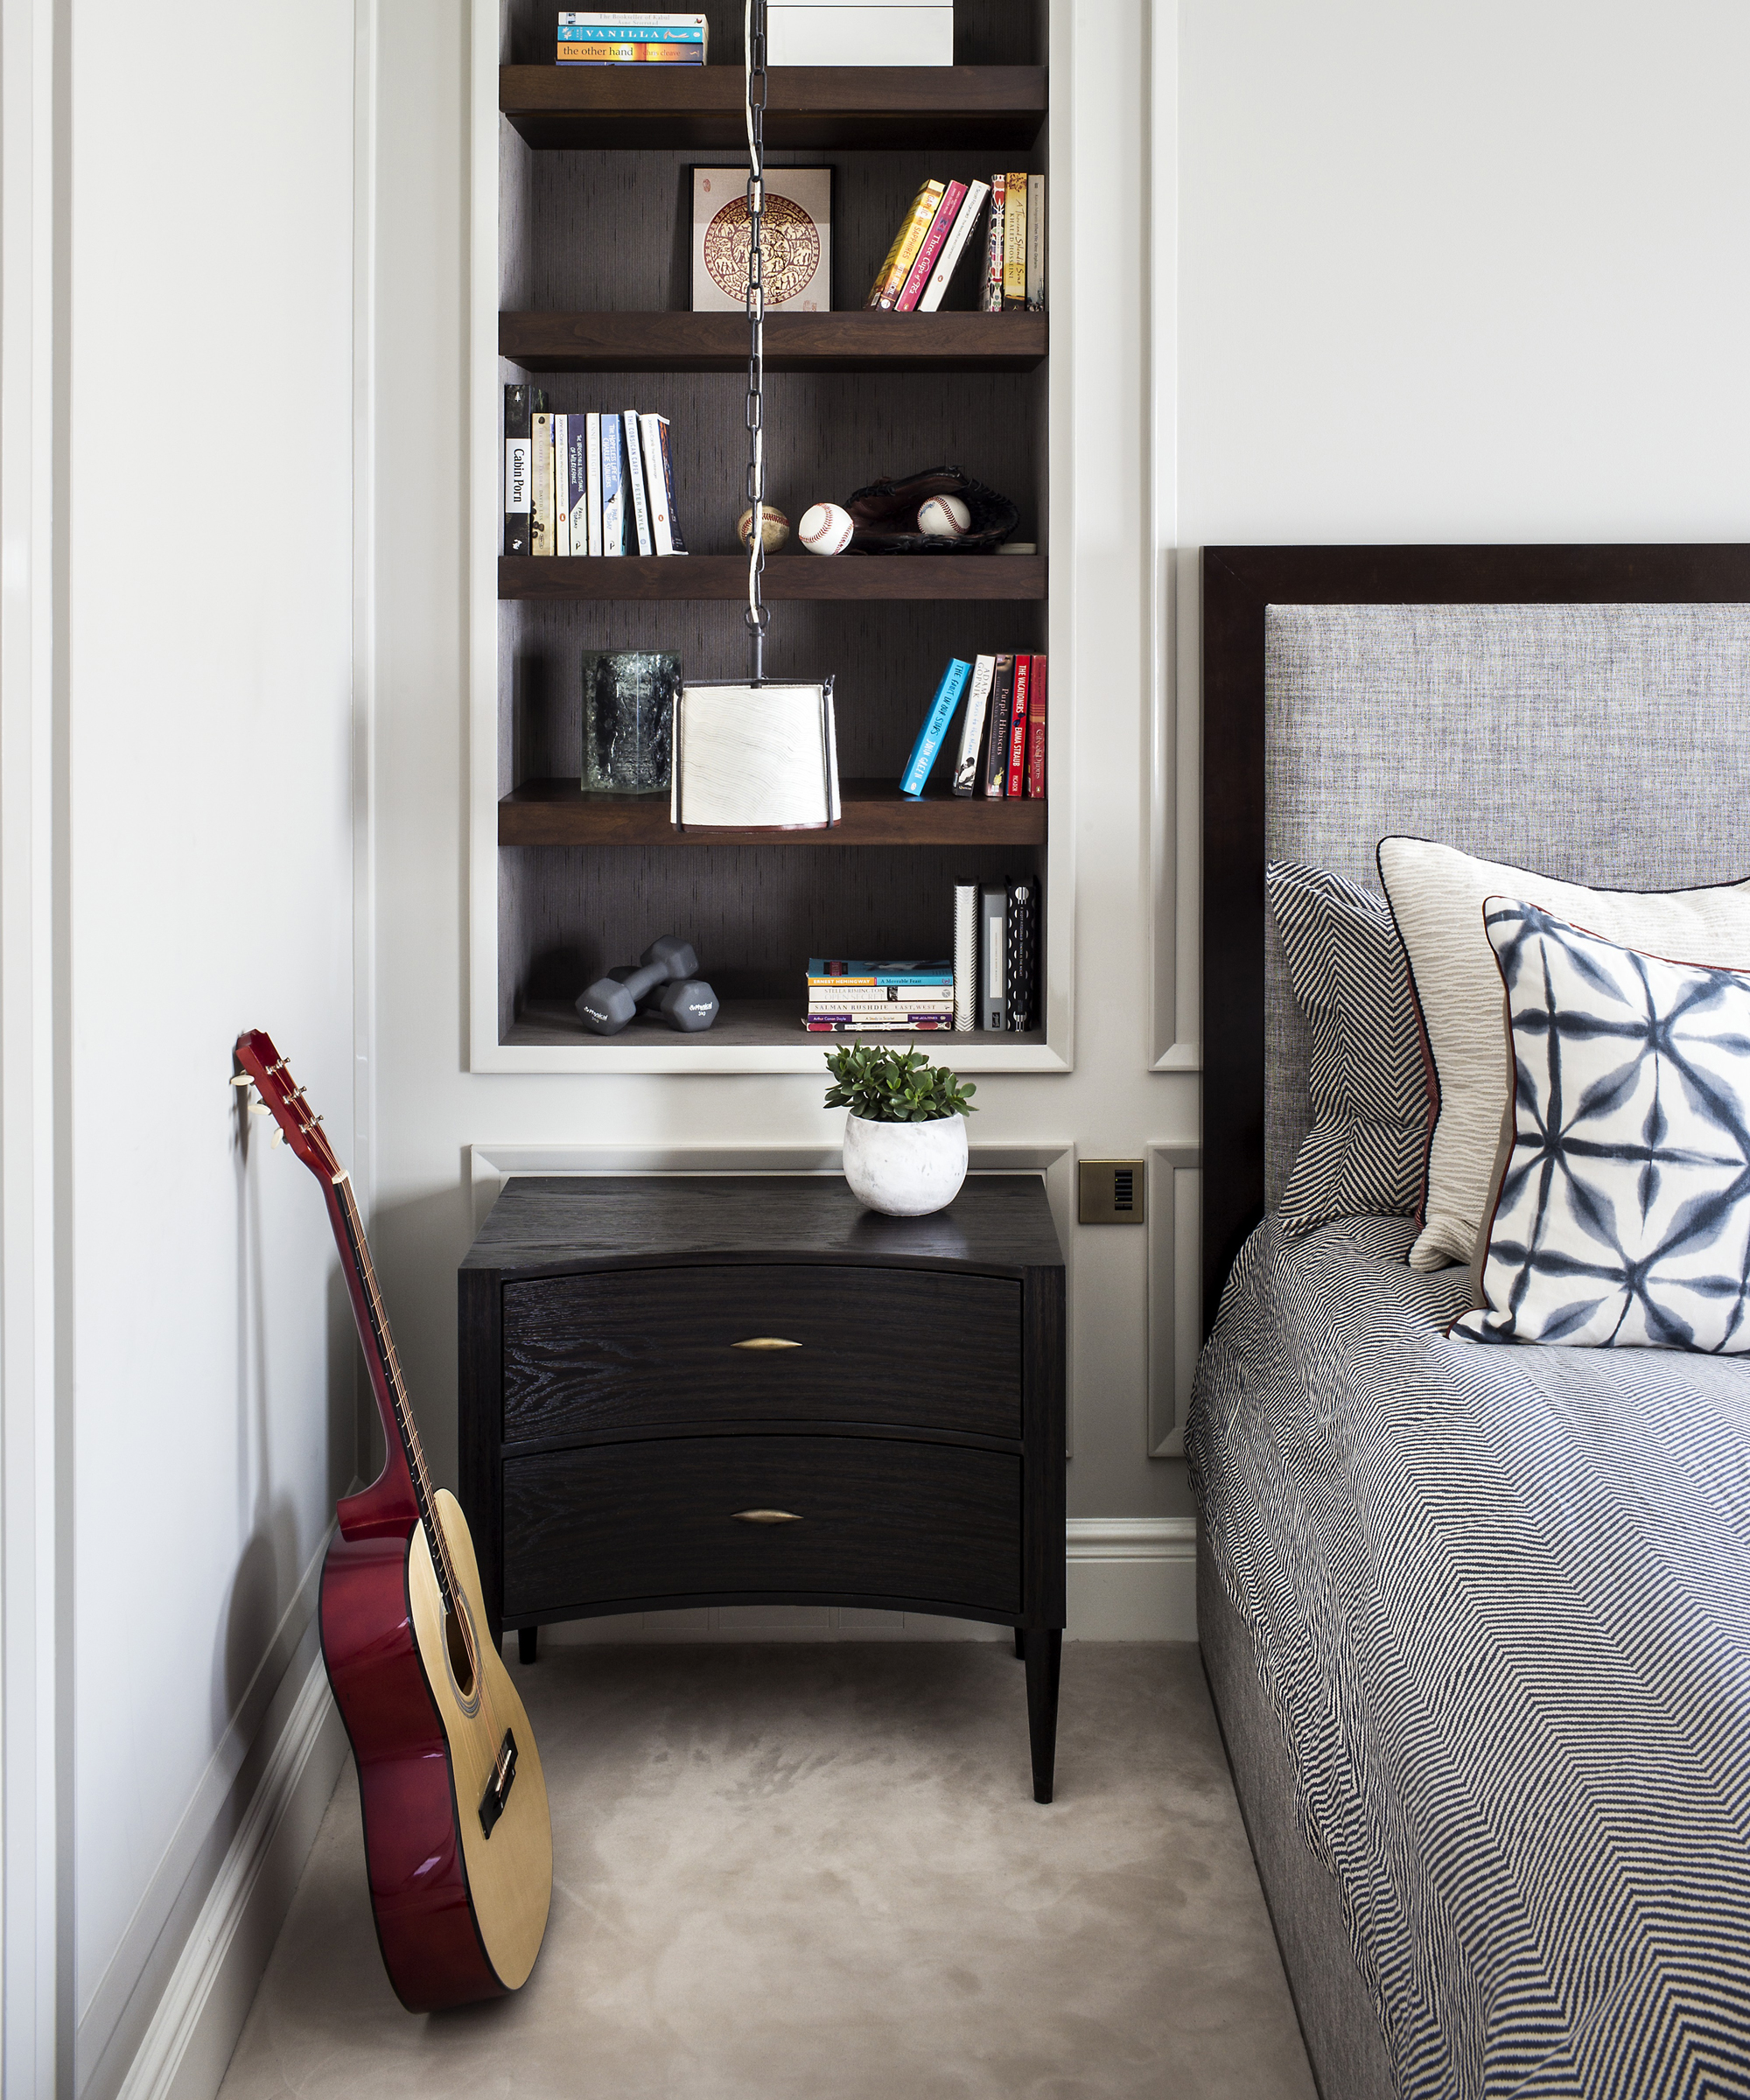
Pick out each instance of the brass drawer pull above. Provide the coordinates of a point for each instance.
(764, 1341)
(766, 1517)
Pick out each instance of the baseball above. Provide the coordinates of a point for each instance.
(774, 527)
(944, 517)
(825, 529)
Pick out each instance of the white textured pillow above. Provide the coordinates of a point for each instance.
(1437, 896)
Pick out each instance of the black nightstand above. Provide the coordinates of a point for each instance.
(748, 1389)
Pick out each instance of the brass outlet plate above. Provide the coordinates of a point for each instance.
(1110, 1192)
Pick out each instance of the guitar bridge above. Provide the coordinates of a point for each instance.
(499, 1785)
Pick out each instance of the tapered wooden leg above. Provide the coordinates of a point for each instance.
(528, 1642)
(1044, 1657)
(1021, 1644)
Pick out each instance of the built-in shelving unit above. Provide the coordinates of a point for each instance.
(582, 278)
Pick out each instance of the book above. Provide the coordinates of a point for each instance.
(562, 476)
(656, 486)
(1015, 242)
(628, 54)
(665, 455)
(542, 523)
(635, 482)
(578, 482)
(997, 743)
(939, 1026)
(610, 23)
(1036, 730)
(888, 1017)
(890, 279)
(959, 240)
(948, 693)
(965, 956)
(972, 724)
(592, 482)
(614, 485)
(1035, 244)
(919, 276)
(1020, 954)
(993, 905)
(1018, 730)
(838, 992)
(832, 971)
(517, 490)
(993, 258)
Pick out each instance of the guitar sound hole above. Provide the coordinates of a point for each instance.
(460, 1667)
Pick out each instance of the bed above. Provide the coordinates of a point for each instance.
(1476, 1620)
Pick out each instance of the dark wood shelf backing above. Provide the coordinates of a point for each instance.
(558, 813)
(742, 1023)
(854, 342)
(798, 576)
(990, 106)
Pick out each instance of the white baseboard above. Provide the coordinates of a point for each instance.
(1130, 1578)
(196, 2022)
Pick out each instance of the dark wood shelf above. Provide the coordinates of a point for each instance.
(856, 341)
(742, 1023)
(558, 813)
(787, 576)
(943, 107)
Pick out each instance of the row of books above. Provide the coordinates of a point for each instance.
(600, 483)
(937, 231)
(617, 39)
(991, 984)
(1002, 734)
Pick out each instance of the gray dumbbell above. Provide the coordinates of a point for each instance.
(688, 1005)
(610, 1003)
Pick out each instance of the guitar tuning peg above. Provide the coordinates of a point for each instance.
(278, 1136)
(242, 1079)
(260, 1107)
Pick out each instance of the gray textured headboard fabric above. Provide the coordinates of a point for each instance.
(1599, 743)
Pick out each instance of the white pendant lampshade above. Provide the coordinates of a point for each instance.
(749, 755)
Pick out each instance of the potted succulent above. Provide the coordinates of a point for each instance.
(904, 1138)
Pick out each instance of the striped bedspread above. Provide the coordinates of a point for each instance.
(1500, 1598)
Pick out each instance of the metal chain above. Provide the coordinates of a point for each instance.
(753, 32)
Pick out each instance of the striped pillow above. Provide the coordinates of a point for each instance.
(1367, 1079)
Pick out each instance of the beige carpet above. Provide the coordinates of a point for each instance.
(817, 1873)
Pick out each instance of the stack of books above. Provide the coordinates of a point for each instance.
(937, 231)
(1001, 733)
(616, 38)
(594, 484)
(997, 941)
(890, 998)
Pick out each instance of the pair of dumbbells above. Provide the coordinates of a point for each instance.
(663, 983)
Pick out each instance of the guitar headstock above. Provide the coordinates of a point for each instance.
(300, 1125)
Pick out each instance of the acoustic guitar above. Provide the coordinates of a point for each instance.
(458, 1843)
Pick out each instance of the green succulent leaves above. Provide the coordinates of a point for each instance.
(895, 1086)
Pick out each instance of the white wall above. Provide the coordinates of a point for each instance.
(208, 718)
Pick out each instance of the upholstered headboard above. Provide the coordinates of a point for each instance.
(1582, 711)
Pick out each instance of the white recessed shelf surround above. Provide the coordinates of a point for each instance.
(564, 886)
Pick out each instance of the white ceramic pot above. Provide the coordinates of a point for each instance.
(905, 1169)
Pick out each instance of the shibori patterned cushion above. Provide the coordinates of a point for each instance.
(1622, 1216)
(1367, 1076)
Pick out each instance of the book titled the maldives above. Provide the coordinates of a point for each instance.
(1018, 728)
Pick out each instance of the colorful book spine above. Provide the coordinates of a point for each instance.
(518, 493)
(634, 481)
(993, 260)
(613, 486)
(965, 225)
(997, 744)
(972, 724)
(562, 473)
(677, 544)
(919, 275)
(1035, 244)
(833, 970)
(1015, 242)
(629, 54)
(947, 697)
(1017, 731)
(1036, 730)
(542, 522)
(940, 1025)
(857, 998)
(917, 1009)
(592, 481)
(965, 957)
(890, 279)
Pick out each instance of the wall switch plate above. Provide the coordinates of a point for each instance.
(1110, 1192)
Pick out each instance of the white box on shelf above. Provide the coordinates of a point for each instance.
(860, 32)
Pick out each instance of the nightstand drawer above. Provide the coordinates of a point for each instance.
(873, 1516)
(657, 1348)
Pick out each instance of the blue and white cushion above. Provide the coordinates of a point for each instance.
(1623, 1213)
(1366, 1078)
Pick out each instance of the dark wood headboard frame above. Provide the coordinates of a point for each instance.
(1238, 584)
